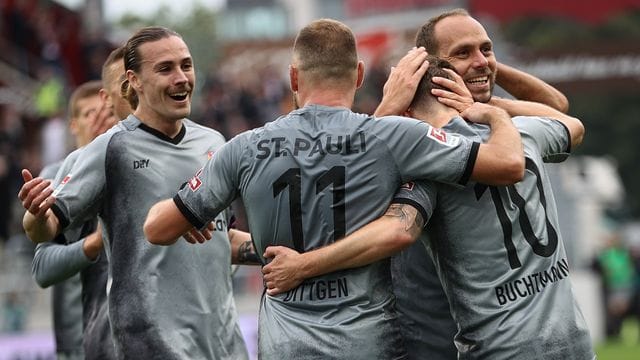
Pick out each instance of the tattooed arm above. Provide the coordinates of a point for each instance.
(398, 228)
(242, 250)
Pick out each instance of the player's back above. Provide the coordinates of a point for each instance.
(308, 179)
(507, 275)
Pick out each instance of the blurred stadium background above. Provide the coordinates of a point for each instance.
(589, 49)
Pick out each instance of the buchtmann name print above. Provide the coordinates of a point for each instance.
(532, 284)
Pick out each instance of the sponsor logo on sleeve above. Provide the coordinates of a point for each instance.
(61, 185)
(442, 137)
(195, 182)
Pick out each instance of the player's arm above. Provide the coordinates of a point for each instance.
(92, 244)
(528, 108)
(398, 228)
(459, 98)
(242, 250)
(53, 263)
(36, 195)
(527, 87)
(165, 223)
(500, 161)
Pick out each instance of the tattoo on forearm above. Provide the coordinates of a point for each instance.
(409, 215)
(247, 253)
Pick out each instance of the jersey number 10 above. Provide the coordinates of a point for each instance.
(523, 218)
(291, 179)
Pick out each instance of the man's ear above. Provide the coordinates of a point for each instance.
(360, 79)
(134, 81)
(293, 77)
(103, 95)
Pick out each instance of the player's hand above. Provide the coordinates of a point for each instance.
(36, 194)
(402, 83)
(103, 120)
(458, 96)
(195, 236)
(485, 114)
(280, 274)
(92, 245)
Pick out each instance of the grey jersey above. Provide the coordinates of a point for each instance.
(423, 309)
(501, 259)
(306, 180)
(97, 340)
(66, 295)
(165, 302)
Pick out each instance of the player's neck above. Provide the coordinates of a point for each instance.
(436, 116)
(171, 128)
(327, 96)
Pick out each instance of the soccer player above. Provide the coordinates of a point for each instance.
(171, 302)
(319, 173)
(497, 250)
(456, 36)
(53, 262)
(66, 295)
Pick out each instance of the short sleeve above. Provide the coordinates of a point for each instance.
(421, 195)
(81, 184)
(423, 152)
(551, 136)
(213, 188)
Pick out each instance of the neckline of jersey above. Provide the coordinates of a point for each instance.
(175, 140)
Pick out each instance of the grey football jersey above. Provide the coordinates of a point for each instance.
(306, 180)
(423, 309)
(66, 295)
(165, 302)
(97, 340)
(501, 259)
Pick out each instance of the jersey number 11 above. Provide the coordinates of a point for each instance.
(291, 179)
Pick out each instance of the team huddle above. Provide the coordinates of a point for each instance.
(427, 230)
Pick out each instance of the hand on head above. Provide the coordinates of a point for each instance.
(458, 96)
(402, 83)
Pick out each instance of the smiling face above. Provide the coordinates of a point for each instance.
(165, 81)
(465, 44)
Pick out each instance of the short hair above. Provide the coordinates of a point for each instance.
(117, 55)
(326, 49)
(436, 67)
(426, 34)
(85, 90)
(133, 59)
(114, 56)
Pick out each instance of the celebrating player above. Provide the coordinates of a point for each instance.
(164, 302)
(319, 173)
